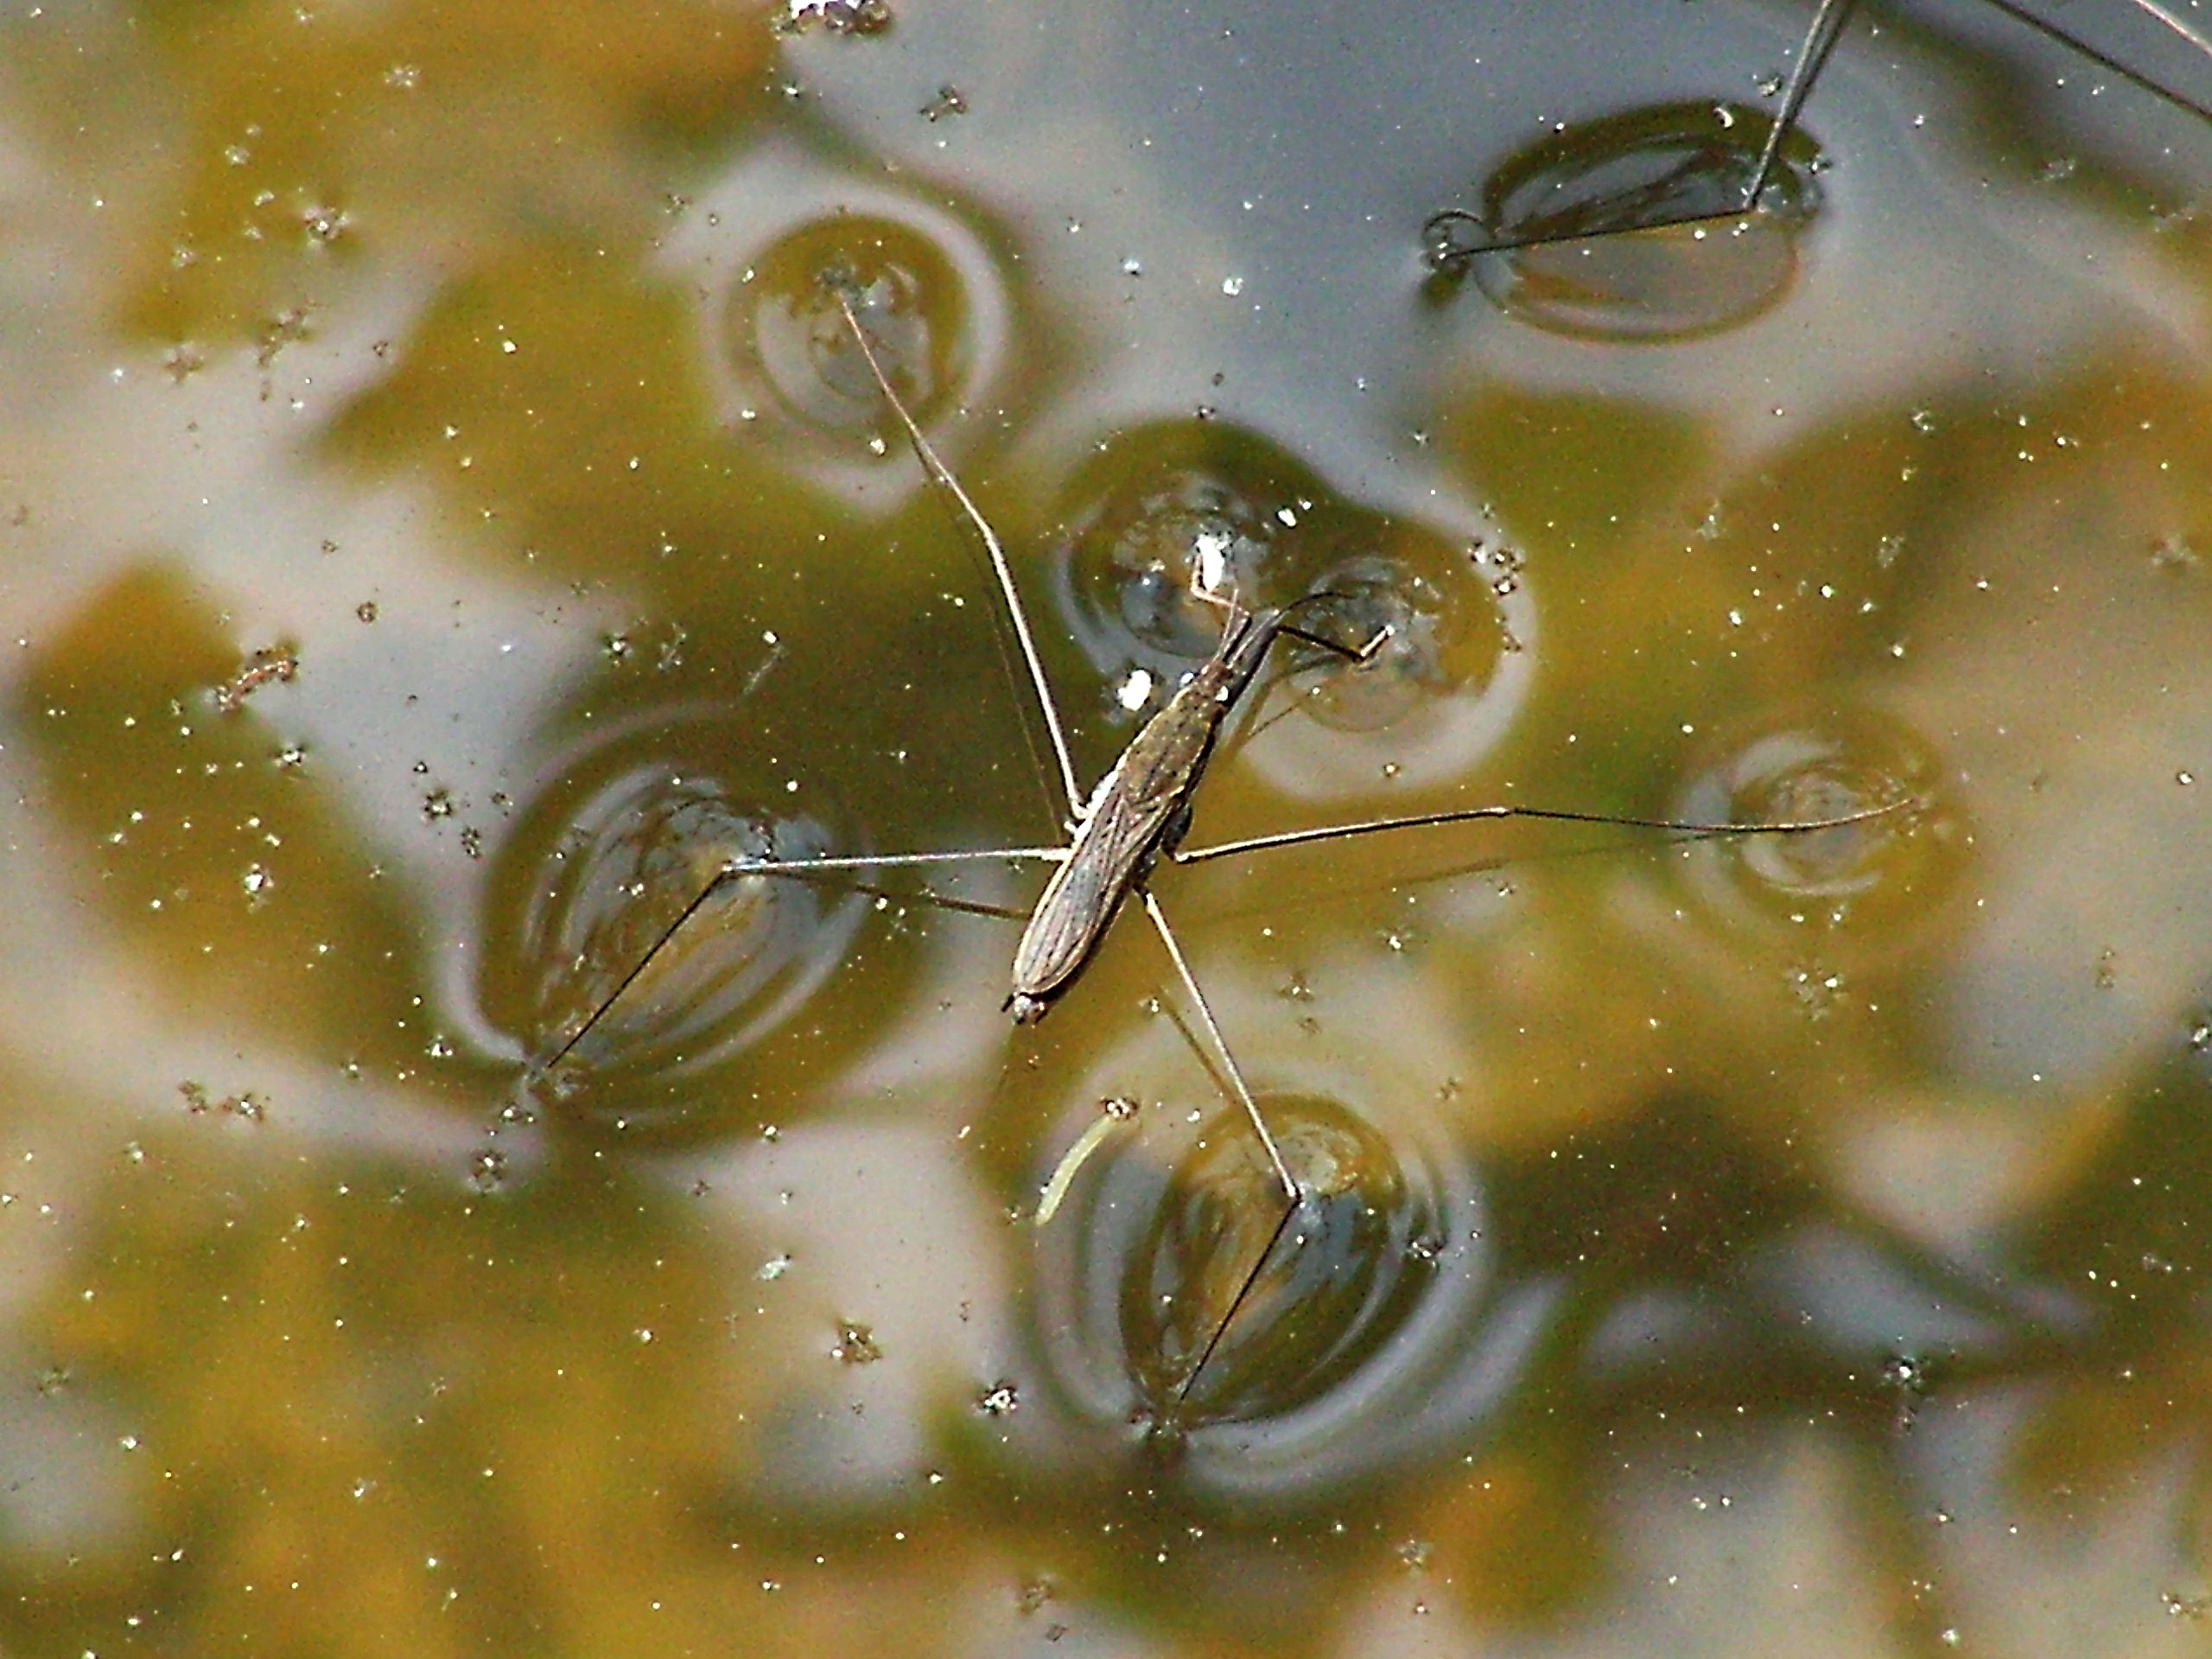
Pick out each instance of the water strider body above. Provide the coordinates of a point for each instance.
(1142, 808)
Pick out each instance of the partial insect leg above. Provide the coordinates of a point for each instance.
(1820, 39)
(1231, 1069)
(801, 870)
(1236, 1302)
(937, 470)
(1292, 1197)
(2164, 17)
(2171, 22)
(1457, 237)
(1355, 655)
(1473, 814)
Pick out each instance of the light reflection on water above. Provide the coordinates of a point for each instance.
(1791, 1212)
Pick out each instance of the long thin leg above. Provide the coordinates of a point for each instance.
(1292, 1197)
(796, 870)
(2174, 23)
(1235, 1073)
(1358, 657)
(630, 978)
(1236, 1302)
(1828, 24)
(1205, 590)
(1355, 655)
(937, 470)
(801, 867)
(1470, 815)
(2104, 61)
(810, 868)
(1820, 38)
(928, 896)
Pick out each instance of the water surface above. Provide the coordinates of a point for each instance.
(441, 519)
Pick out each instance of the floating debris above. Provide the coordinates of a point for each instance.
(1111, 1113)
(199, 1101)
(836, 17)
(272, 663)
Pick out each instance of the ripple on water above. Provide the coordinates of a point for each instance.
(1141, 522)
(785, 322)
(1373, 1331)
(613, 858)
(1548, 245)
(773, 345)
(1346, 1267)
(1870, 886)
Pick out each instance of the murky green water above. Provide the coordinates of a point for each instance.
(442, 516)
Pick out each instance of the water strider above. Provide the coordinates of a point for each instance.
(1135, 816)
